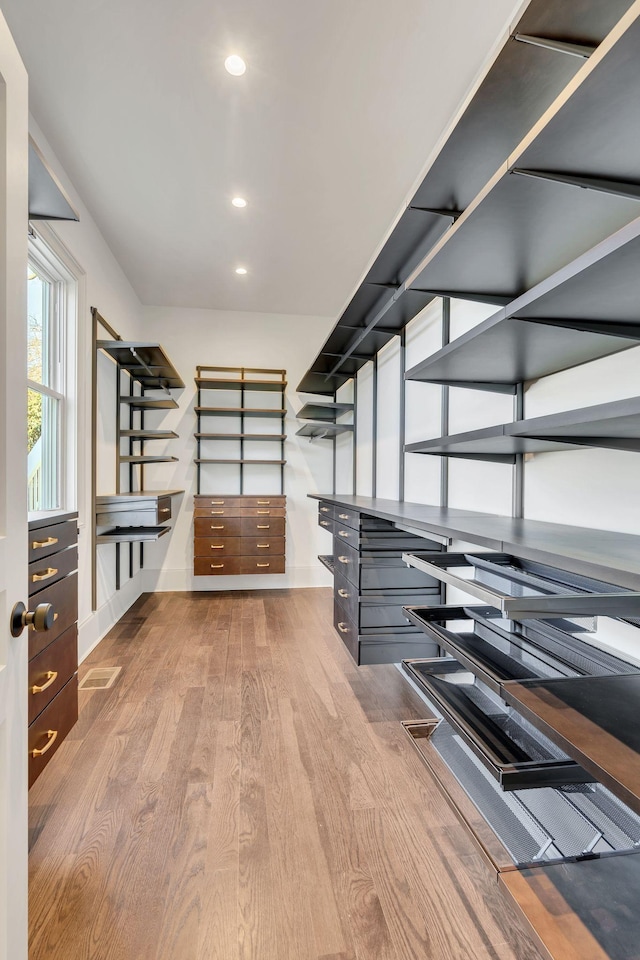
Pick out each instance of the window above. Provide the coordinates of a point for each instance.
(50, 365)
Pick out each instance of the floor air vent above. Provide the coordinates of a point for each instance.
(99, 678)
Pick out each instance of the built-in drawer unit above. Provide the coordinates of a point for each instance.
(326, 523)
(53, 653)
(132, 510)
(239, 535)
(379, 645)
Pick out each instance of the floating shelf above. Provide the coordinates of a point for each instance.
(241, 436)
(150, 403)
(246, 462)
(327, 561)
(133, 495)
(148, 459)
(146, 362)
(323, 429)
(324, 411)
(238, 411)
(132, 535)
(223, 383)
(149, 434)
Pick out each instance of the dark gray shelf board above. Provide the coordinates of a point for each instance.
(327, 561)
(135, 496)
(606, 555)
(149, 434)
(594, 720)
(323, 430)
(150, 403)
(614, 425)
(323, 411)
(161, 372)
(241, 436)
(237, 411)
(148, 459)
(221, 383)
(519, 87)
(132, 534)
(243, 462)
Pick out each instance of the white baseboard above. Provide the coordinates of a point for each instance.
(94, 627)
(182, 580)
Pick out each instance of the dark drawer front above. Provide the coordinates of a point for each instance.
(214, 501)
(257, 565)
(327, 510)
(263, 512)
(267, 526)
(49, 729)
(258, 502)
(64, 597)
(346, 594)
(54, 568)
(347, 518)
(52, 539)
(216, 566)
(217, 509)
(239, 547)
(144, 513)
(218, 528)
(384, 573)
(388, 614)
(326, 523)
(50, 670)
(346, 629)
(344, 534)
(346, 561)
(391, 648)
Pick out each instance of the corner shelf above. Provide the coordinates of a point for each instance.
(243, 381)
(614, 425)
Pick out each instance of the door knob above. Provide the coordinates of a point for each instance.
(42, 618)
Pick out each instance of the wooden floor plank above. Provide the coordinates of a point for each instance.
(245, 792)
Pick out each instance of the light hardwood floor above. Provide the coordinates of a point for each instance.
(245, 792)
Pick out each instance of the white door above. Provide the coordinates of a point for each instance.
(13, 499)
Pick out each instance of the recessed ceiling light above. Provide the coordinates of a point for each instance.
(235, 65)
(241, 271)
(239, 202)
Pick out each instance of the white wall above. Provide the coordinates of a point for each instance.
(212, 337)
(104, 285)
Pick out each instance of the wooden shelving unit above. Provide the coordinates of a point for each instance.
(242, 381)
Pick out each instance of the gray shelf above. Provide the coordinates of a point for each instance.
(322, 410)
(146, 362)
(614, 425)
(238, 411)
(223, 383)
(131, 497)
(323, 430)
(132, 535)
(148, 458)
(150, 403)
(243, 461)
(327, 561)
(149, 434)
(241, 436)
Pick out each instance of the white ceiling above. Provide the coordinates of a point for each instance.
(326, 133)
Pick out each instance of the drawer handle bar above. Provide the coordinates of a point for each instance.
(216, 566)
(53, 736)
(263, 526)
(343, 593)
(264, 502)
(45, 575)
(342, 533)
(165, 510)
(343, 628)
(217, 546)
(324, 523)
(325, 509)
(263, 545)
(52, 676)
(267, 512)
(217, 513)
(263, 564)
(343, 516)
(49, 542)
(217, 502)
(344, 559)
(219, 526)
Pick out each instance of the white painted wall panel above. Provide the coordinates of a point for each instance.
(388, 447)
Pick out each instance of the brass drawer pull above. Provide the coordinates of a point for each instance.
(342, 533)
(53, 736)
(264, 502)
(217, 513)
(324, 523)
(45, 575)
(165, 510)
(343, 516)
(344, 559)
(343, 628)
(219, 526)
(216, 566)
(263, 526)
(217, 546)
(218, 502)
(267, 512)
(262, 545)
(324, 509)
(263, 564)
(49, 542)
(343, 593)
(52, 676)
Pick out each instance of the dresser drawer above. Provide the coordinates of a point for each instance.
(50, 670)
(268, 564)
(346, 517)
(238, 546)
(216, 500)
(266, 501)
(52, 569)
(262, 527)
(263, 512)
(218, 508)
(347, 595)
(326, 523)
(127, 512)
(344, 534)
(64, 597)
(326, 510)
(217, 566)
(49, 729)
(52, 539)
(346, 629)
(222, 527)
(347, 561)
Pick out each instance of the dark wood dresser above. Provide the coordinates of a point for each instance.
(53, 654)
(239, 535)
